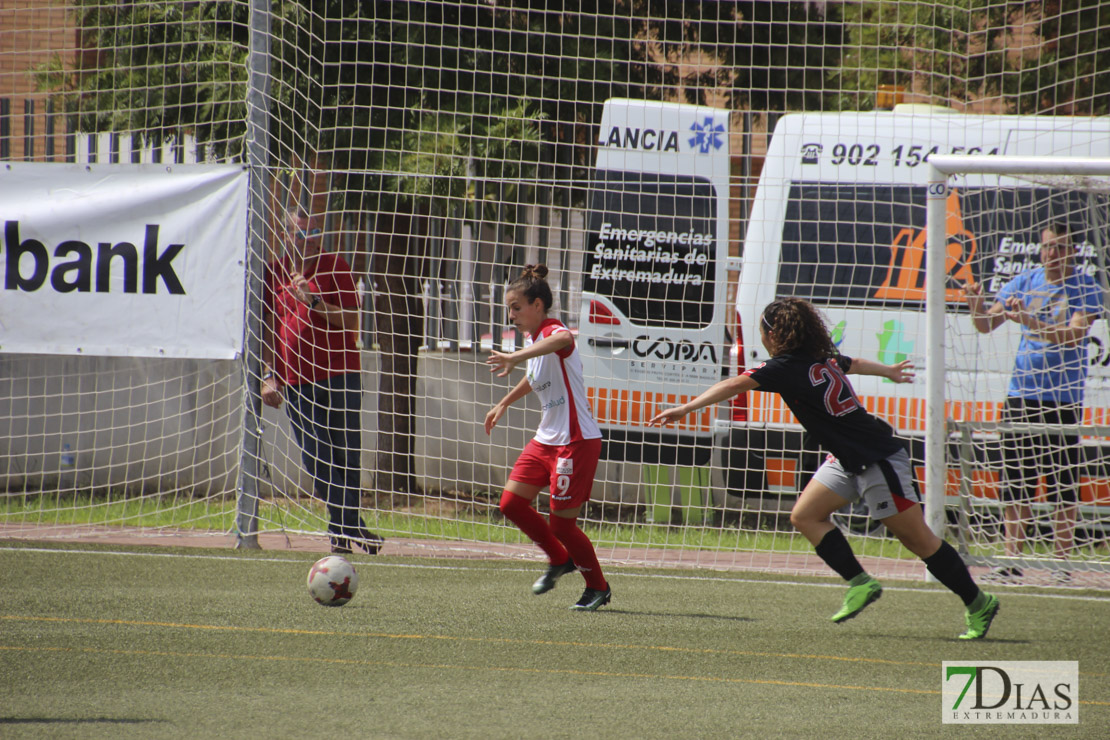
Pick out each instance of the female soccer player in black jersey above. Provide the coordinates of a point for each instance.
(865, 461)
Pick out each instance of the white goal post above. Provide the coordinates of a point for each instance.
(941, 168)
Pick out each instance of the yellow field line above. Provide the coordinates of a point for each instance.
(487, 640)
(499, 669)
(441, 666)
(454, 638)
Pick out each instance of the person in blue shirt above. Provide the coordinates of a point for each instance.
(1055, 305)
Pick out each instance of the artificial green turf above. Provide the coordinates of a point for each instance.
(157, 643)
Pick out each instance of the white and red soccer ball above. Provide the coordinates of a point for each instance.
(332, 581)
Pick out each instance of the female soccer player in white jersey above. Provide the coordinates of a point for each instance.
(567, 445)
(866, 459)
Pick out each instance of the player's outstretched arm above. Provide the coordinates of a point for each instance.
(901, 372)
(503, 363)
(520, 390)
(720, 391)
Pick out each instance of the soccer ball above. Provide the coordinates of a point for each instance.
(332, 581)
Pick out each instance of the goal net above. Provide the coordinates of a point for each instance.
(1024, 428)
(676, 166)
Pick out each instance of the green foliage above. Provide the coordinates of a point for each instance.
(960, 52)
(398, 97)
(157, 69)
(1072, 77)
(786, 55)
(433, 161)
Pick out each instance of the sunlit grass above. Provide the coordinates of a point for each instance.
(116, 510)
(463, 524)
(308, 515)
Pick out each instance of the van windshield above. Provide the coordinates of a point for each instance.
(650, 247)
(865, 244)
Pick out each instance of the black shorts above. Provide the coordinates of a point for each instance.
(1027, 456)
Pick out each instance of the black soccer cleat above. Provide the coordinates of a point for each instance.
(593, 599)
(546, 582)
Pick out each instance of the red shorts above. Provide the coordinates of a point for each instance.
(568, 469)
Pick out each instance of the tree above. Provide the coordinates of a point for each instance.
(157, 70)
(1011, 57)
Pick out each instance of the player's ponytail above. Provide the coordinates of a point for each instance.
(796, 326)
(532, 284)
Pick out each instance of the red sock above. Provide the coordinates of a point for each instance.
(581, 549)
(519, 511)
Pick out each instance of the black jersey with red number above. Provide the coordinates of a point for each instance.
(822, 399)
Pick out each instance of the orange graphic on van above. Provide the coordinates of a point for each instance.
(905, 277)
(633, 408)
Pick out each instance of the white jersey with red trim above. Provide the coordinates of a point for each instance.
(557, 379)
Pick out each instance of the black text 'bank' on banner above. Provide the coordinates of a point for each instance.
(133, 260)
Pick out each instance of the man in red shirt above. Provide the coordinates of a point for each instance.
(311, 360)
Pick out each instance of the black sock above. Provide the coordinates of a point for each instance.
(838, 555)
(949, 568)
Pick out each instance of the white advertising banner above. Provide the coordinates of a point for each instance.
(136, 260)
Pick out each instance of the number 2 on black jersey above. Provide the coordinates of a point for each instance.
(829, 372)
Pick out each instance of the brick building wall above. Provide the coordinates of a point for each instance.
(32, 33)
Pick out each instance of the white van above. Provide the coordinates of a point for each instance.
(839, 218)
(652, 329)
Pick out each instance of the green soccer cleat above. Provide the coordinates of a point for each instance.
(592, 599)
(979, 622)
(857, 599)
(546, 582)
